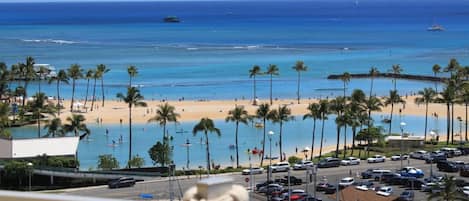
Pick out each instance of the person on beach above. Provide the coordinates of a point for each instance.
(121, 121)
(120, 139)
(107, 131)
(113, 143)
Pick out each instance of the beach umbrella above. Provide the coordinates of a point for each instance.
(306, 149)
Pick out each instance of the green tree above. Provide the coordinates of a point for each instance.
(396, 70)
(160, 153)
(299, 67)
(315, 114)
(337, 106)
(136, 161)
(75, 72)
(103, 70)
(206, 125)
(238, 115)
(447, 97)
(132, 98)
(280, 115)
(426, 96)
(272, 70)
(392, 99)
(345, 79)
(373, 73)
(54, 128)
(17, 170)
(324, 111)
(27, 74)
(39, 106)
(262, 112)
(89, 75)
(107, 162)
(164, 114)
(449, 191)
(4, 120)
(436, 69)
(75, 124)
(464, 99)
(4, 80)
(97, 75)
(132, 71)
(256, 70)
(61, 77)
(452, 66)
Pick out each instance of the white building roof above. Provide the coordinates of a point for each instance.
(26, 148)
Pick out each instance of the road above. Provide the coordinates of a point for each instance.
(159, 188)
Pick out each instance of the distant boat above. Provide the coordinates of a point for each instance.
(436, 27)
(259, 125)
(171, 19)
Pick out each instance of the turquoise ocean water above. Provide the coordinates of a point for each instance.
(208, 55)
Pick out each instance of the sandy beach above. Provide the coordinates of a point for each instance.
(114, 111)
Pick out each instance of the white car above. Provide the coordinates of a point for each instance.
(384, 191)
(280, 167)
(398, 157)
(376, 159)
(302, 165)
(347, 181)
(465, 190)
(254, 170)
(419, 154)
(350, 161)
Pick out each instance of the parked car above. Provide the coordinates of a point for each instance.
(459, 164)
(302, 165)
(265, 183)
(418, 154)
(401, 180)
(347, 181)
(451, 152)
(407, 196)
(270, 188)
(280, 167)
(413, 183)
(293, 180)
(464, 171)
(367, 173)
(121, 182)
(386, 177)
(464, 150)
(376, 159)
(254, 170)
(350, 161)
(447, 166)
(465, 190)
(331, 189)
(329, 162)
(384, 191)
(322, 186)
(435, 157)
(411, 172)
(364, 185)
(398, 157)
(432, 187)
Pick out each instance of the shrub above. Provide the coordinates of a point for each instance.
(107, 162)
(136, 161)
(293, 159)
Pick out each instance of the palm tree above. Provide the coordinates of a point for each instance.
(54, 128)
(449, 191)
(337, 106)
(75, 72)
(373, 73)
(426, 96)
(132, 71)
(272, 70)
(164, 114)
(103, 70)
(61, 77)
(39, 106)
(392, 99)
(206, 125)
(238, 115)
(97, 75)
(256, 70)
(4, 120)
(40, 74)
(263, 113)
(132, 98)
(436, 69)
(396, 70)
(372, 104)
(324, 112)
(75, 124)
(358, 110)
(345, 79)
(27, 73)
(464, 98)
(315, 114)
(447, 97)
(280, 115)
(452, 66)
(299, 67)
(89, 74)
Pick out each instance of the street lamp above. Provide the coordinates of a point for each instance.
(432, 134)
(271, 133)
(460, 131)
(30, 169)
(187, 145)
(403, 124)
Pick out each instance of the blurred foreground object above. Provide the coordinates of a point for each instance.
(216, 189)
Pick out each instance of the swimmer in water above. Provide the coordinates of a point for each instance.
(107, 131)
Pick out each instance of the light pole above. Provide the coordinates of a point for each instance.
(460, 131)
(403, 124)
(271, 133)
(30, 169)
(187, 145)
(432, 134)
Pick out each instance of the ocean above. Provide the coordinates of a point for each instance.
(208, 55)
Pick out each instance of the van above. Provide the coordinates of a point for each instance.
(376, 174)
(280, 167)
(329, 162)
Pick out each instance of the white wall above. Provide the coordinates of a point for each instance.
(25, 148)
(5, 148)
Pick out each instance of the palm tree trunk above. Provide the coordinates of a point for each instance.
(58, 98)
(270, 89)
(466, 120)
(73, 95)
(39, 126)
(338, 141)
(322, 137)
(344, 89)
(94, 95)
(298, 90)
(390, 118)
(25, 94)
(353, 139)
(280, 142)
(87, 88)
(312, 142)
(371, 86)
(254, 102)
(426, 120)
(452, 123)
(236, 141)
(263, 146)
(345, 139)
(102, 89)
(208, 153)
(164, 142)
(448, 123)
(130, 134)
